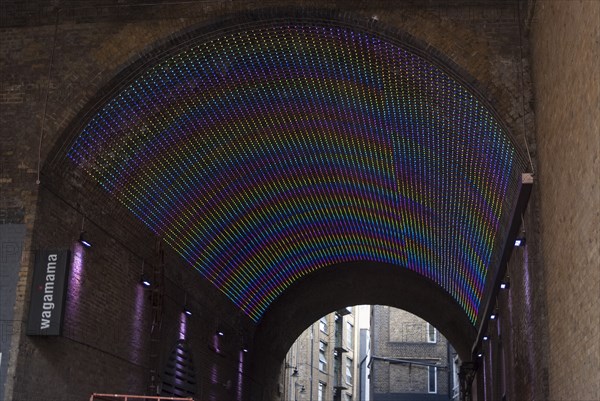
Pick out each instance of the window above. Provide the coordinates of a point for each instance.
(431, 334)
(349, 371)
(321, 391)
(322, 356)
(432, 379)
(349, 334)
(323, 324)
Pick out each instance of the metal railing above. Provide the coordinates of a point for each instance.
(127, 397)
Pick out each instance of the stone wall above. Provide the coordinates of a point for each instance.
(566, 72)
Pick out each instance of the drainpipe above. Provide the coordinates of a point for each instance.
(312, 353)
(360, 378)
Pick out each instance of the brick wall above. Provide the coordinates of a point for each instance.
(11, 242)
(566, 54)
(398, 334)
(49, 74)
(105, 346)
(515, 356)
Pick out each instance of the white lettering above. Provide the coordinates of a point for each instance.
(51, 268)
(48, 305)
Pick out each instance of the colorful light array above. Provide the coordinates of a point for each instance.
(266, 153)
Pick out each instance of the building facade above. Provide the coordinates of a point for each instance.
(410, 359)
(364, 370)
(322, 364)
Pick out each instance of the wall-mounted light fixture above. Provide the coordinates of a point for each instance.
(505, 285)
(144, 279)
(520, 241)
(186, 309)
(83, 240)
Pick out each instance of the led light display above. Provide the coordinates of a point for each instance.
(267, 152)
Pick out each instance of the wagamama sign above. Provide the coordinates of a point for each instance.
(48, 292)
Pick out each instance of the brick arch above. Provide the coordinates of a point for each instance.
(336, 287)
(464, 52)
(150, 33)
(92, 123)
(460, 334)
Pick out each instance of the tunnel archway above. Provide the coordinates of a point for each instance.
(299, 149)
(335, 287)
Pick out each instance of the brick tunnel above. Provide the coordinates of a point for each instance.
(240, 171)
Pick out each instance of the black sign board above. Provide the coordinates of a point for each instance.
(48, 292)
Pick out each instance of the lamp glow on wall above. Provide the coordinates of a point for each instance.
(271, 150)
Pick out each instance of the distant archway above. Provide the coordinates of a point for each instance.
(335, 287)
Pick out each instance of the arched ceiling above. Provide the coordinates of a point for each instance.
(270, 149)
